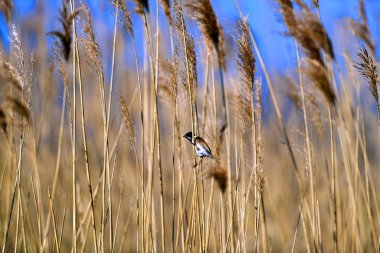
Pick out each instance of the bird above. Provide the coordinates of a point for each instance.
(201, 148)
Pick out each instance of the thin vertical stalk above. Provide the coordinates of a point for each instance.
(142, 133)
(88, 174)
(162, 206)
(205, 95)
(108, 124)
(333, 183)
(175, 134)
(74, 149)
(54, 223)
(308, 145)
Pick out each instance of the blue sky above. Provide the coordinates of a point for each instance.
(277, 49)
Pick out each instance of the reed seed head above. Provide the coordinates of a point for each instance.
(309, 32)
(127, 120)
(368, 70)
(142, 6)
(246, 58)
(6, 7)
(124, 16)
(66, 19)
(91, 46)
(220, 176)
(360, 28)
(166, 6)
(204, 14)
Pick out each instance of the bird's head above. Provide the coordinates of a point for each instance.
(189, 136)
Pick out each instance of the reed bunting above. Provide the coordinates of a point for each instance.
(201, 148)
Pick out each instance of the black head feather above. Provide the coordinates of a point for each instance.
(189, 136)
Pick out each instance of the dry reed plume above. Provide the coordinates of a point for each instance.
(368, 70)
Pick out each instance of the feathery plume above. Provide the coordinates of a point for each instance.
(260, 175)
(166, 6)
(244, 106)
(246, 65)
(169, 79)
(6, 7)
(220, 176)
(173, 79)
(221, 49)
(127, 121)
(309, 32)
(360, 28)
(124, 16)
(310, 24)
(288, 16)
(22, 72)
(57, 59)
(186, 42)
(10, 74)
(311, 101)
(91, 46)
(204, 14)
(18, 106)
(259, 122)
(142, 5)
(65, 36)
(318, 74)
(369, 71)
(246, 57)
(316, 3)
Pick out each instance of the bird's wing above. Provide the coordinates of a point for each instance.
(203, 143)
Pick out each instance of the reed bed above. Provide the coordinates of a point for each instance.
(93, 157)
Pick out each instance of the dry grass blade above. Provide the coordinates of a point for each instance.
(204, 14)
(369, 71)
(220, 175)
(66, 19)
